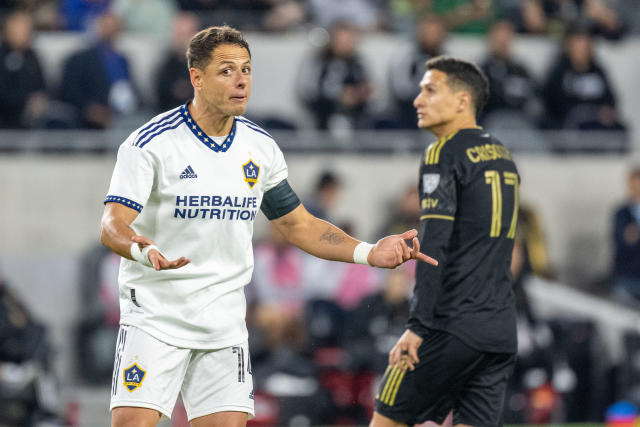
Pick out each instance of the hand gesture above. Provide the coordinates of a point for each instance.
(392, 251)
(405, 353)
(158, 261)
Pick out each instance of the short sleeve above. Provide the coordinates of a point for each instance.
(132, 178)
(278, 171)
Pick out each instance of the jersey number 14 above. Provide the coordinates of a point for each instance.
(492, 177)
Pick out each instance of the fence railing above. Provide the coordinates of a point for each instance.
(367, 141)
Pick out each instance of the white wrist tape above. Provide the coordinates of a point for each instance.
(361, 253)
(142, 256)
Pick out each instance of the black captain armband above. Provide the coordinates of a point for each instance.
(279, 201)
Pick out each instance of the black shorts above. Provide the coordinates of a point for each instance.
(450, 376)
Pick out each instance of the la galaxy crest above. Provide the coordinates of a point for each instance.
(251, 172)
(133, 376)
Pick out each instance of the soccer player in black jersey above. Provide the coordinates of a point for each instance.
(459, 346)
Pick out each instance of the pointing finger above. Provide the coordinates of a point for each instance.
(425, 258)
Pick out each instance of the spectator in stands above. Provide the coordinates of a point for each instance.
(406, 71)
(284, 15)
(255, 15)
(363, 14)
(99, 318)
(172, 79)
(30, 396)
(460, 16)
(44, 13)
(626, 243)
(553, 16)
(379, 320)
(577, 92)
(334, 83)
(146, 17)
(325, 195)
(277, 291)
(512, 99)
(23, 97)
(404, 212)
(97, 80)
(341, 284)
(78, 15)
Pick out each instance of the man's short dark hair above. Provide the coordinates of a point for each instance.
(463, 75)
(205, 42)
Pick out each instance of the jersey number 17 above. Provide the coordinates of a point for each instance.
(492, 177)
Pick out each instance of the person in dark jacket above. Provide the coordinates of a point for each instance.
(513, 89)
(172, 81)
(23, 98)
(334, 83)
(626, 243)
(577, 92)
(97, 81)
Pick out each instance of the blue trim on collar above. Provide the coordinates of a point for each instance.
(203, 137)
(124, 201)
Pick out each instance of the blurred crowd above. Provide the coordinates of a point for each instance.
(334, 83)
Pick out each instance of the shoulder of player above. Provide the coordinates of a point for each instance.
(467, 144)
(443, 150)
(159, 125)
(254, 129)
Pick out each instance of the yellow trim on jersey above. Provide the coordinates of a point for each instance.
(384, 397)
(392, 385)
(384, 377)
(432, 156)
(396, 388)
(448, 217)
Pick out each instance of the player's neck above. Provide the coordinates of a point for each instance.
(445, 129)
(212, 122)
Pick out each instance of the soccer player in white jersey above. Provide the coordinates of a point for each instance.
(180, 208)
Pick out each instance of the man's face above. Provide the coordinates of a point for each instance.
(436, 104)
(225, 83)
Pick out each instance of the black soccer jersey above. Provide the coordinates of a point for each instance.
(469, 204)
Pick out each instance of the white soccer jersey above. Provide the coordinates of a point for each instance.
(198, 199)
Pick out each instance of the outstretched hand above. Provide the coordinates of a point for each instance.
(391, 251)
(158, 261)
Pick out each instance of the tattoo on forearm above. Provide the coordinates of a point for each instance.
(332, 237)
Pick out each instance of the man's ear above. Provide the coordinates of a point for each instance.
(195, 75)
(464, 101)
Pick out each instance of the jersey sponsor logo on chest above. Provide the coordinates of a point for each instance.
(188, 172)
(216, 207)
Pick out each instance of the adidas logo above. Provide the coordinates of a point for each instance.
(188, 173)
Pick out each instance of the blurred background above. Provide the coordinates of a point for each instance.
(333, 82)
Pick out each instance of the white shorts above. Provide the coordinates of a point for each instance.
(149, 373)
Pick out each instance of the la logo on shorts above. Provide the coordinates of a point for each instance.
(251, 172)
(133, 376)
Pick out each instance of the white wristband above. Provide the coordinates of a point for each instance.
(361, 253)
(142, 256)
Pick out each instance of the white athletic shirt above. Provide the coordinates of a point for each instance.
(197, 199)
